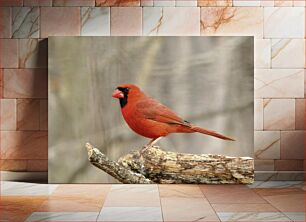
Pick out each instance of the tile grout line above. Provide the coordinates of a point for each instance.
(209, 202)
(161, 208)
(267, 202)
(104, 202)
(278, 210)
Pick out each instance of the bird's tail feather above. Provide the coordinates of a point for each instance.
(211, 133)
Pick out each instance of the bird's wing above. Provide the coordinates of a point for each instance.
(153, 110)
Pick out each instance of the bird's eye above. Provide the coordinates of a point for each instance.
(126, 90)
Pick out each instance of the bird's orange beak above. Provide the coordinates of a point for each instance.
(118, 94)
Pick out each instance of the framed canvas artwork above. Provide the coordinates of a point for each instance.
(185, 94)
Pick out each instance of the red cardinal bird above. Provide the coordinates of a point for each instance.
(151, 119)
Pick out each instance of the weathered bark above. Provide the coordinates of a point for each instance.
(154, 165)
(114, 169)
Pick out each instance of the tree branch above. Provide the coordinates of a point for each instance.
(154, 165)
(119, 172)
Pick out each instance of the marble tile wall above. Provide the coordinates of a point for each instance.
(278, 27)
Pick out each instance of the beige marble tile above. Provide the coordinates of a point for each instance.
(133, 196)
(266, 3)
(232, 21)
(304, 83)
(246, 3)
(27, 114)
(27, 189)
(253, 216)
(207, 3)
(24, 145)
(279, 114)
(299, 3)
(163, 3)
(168, 21)
(283, 3)
(279, 176)
(37, 165)
(296, 216)
(262, 53)
(267, 145)
(300, 114)
(95, 21)
(230, 194)
(146, 3)
(71, 204)
(278, 191)
(1, 83)
(262, 207)
(25, 22)
(120, 25)
(182, 190)
(25, 83)
(186, 3)
(5, 22)
(43, 114)
(63, 216)
(279, 83)
(258, 114)
(5, 3)
(33, 53)
(292, 144)
(8, 53)
(264, 165)
(118, 3)
(37, 2)
(73, 2)
(187, 209)
(51, 17)
(284, 49)
(92, 191)
(278, 184)
(289, 165)
(13, 165)
(284, 22)
(19, 208)
(8, 114)
(127, 214)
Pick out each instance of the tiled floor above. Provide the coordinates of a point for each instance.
(262, 201)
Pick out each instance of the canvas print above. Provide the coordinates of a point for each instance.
(151, 109)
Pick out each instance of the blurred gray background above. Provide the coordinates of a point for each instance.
(206, 80)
